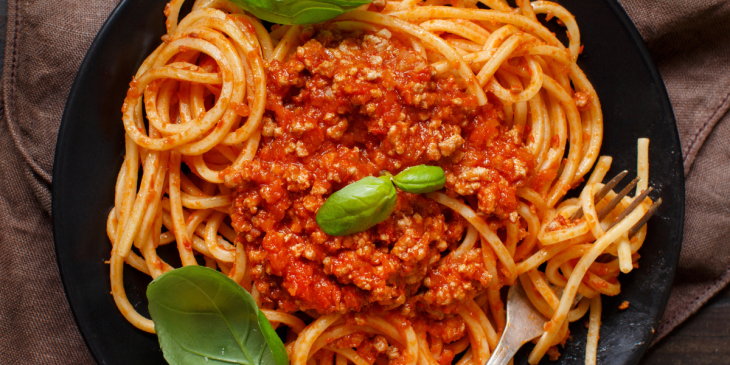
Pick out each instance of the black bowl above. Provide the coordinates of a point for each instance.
(90, 150)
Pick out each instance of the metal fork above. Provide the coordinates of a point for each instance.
(524, 322)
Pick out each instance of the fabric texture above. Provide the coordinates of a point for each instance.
(46, 41)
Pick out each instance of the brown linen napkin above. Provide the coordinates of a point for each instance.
(46, 41)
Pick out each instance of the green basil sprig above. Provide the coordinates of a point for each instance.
(298, 11)
(203, 317)
(420, 179)
(357, 206)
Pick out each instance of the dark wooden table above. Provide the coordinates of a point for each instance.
(704, 339)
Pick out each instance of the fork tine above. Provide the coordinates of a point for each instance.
(645, 218)
(638, 200)
(612, 204)
(601, 193)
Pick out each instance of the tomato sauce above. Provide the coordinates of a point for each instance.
(347, 106)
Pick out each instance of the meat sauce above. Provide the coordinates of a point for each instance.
(347, 106)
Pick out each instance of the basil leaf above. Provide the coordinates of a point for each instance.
(298, 11)
(420, 179)
(203, 317)
(357, 206)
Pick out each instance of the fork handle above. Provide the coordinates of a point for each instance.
(506, 348)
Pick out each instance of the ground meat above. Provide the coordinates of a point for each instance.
(455, 280)
(368, 346)
(449, 329)
(493, 164)
(350, 341)
(347, 106)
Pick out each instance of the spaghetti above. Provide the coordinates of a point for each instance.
(241, 133)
